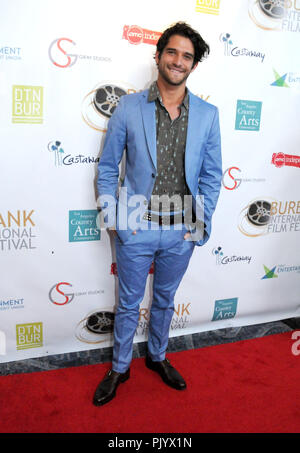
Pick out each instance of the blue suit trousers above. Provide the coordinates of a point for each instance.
(170, 252)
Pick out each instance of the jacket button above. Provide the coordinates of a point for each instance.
(153, 175)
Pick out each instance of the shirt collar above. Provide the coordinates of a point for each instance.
(154, 95)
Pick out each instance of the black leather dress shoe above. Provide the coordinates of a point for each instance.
(168, 373)
(106, 390)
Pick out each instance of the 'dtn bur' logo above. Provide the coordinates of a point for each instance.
(55, 291)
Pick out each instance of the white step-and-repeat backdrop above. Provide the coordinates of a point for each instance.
(63, 66)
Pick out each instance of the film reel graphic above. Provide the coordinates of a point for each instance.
(100, 103)
(96, 327)
(255, 217)
(107, 98)
(273, 8)
(267, 14)
(259, 213)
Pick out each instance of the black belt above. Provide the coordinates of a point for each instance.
(166, 219)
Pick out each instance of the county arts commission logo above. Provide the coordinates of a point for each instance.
(268, 216)
(248, 115)
(100, 103)
(225, 309)
(62, 55)
(276, 15)
(135, 34)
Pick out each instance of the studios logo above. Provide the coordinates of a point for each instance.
(61, 55)
(60, 295)
(100, 103)
(231, 182)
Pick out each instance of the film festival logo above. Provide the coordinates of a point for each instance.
(275, 15)
(208, 6)
(225, 309)
(100, 103)
(29, 335)
(62, 58)
(233, 51)
(248, 115)
(135, 34)
(268, 216)
(27, 104)
(17, 231)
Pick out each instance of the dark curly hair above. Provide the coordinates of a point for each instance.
(201, 48)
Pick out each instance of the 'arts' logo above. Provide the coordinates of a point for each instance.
(248, 115)
(27, 104)
(83, 225)
(225, 309)
(208, 6)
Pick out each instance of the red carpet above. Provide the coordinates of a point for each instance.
(251, 386)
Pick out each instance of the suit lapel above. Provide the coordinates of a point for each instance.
(148, 115)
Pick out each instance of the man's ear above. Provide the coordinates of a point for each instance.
(157, 57)
(194, 67)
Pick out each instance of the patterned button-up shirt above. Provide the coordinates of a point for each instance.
(170, 151)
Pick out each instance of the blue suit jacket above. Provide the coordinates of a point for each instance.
(133, 127)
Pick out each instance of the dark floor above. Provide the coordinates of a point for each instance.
(193, 341)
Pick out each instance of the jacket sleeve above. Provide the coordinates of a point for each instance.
(108, 167)
(210, 176)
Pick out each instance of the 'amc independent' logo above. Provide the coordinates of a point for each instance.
(27, 104)
(248, 115)
(29, 335)
(225, 309)
(83, 226)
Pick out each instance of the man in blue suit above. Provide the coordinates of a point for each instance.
(165, 205)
